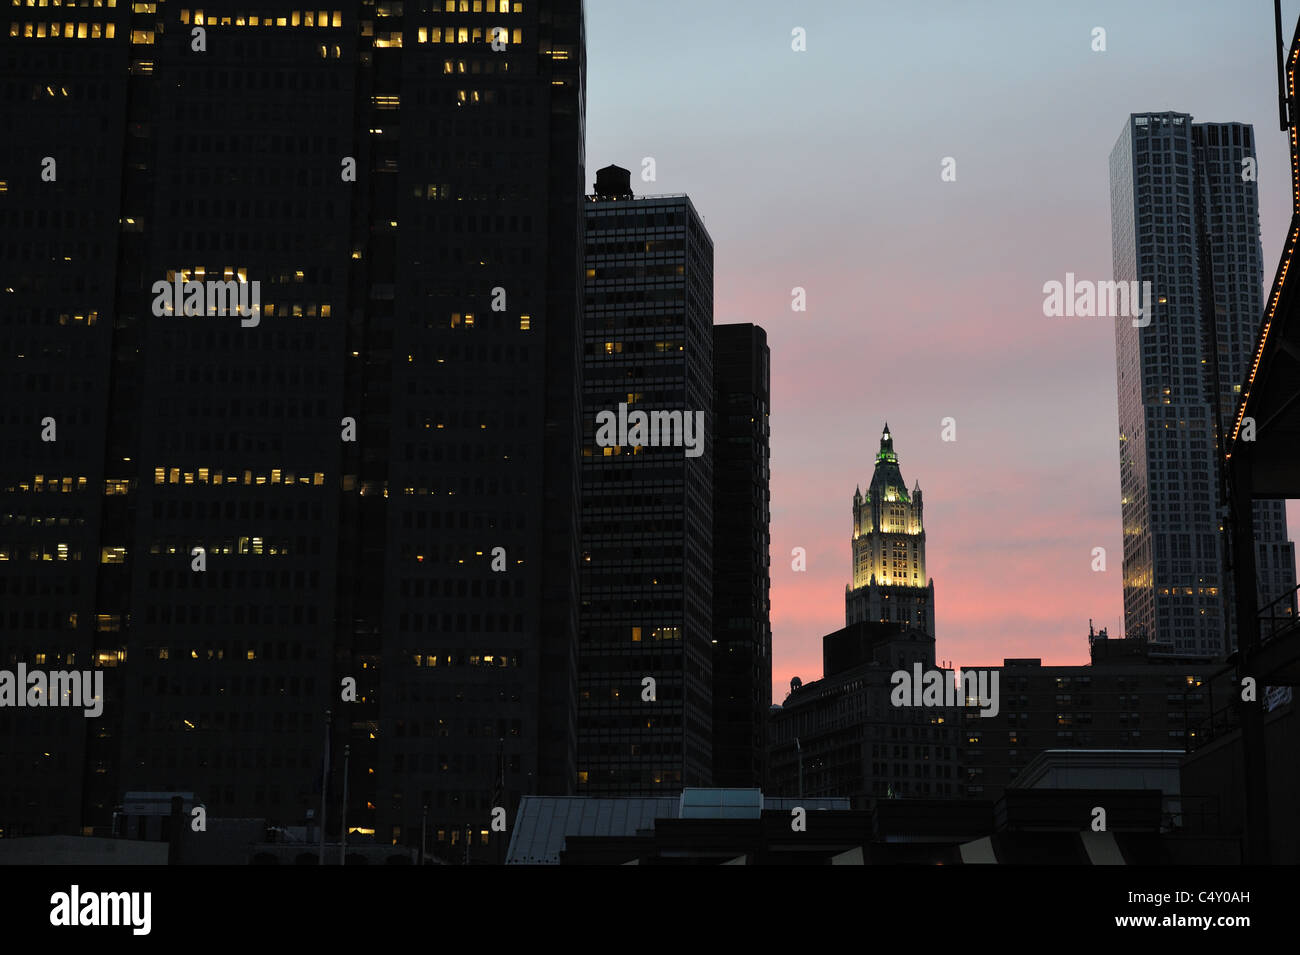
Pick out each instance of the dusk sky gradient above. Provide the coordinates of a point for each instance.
(821, 169)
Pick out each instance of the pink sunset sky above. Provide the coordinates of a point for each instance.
(821, 169)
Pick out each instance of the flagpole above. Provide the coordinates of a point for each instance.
(500, 794)
(799, 750)
(343, 826)
(424, 822)
(325, 785)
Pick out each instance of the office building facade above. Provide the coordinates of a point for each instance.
(360, 498)
(843, 735)
(1154, 702)
(647, 512)
(1185, 218)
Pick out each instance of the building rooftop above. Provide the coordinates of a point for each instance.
(544, 822)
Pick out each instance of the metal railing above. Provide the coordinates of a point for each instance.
(1193, 814)
(635, 197)
(1218, 723)
(1279, 617)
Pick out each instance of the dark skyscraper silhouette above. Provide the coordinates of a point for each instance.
(646, 572)
(373, 478)
(742, 624)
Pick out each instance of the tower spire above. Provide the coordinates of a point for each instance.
(889, 582)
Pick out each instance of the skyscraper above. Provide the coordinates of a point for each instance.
(370, 482)
(889, 581)
(1185, 217)
(647, 515)
(60, 241)
(742, 624)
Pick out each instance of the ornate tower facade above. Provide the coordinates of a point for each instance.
(889, 581)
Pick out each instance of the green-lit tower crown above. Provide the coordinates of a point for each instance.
(889, 580)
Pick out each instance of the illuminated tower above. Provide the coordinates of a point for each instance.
(889, 581)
